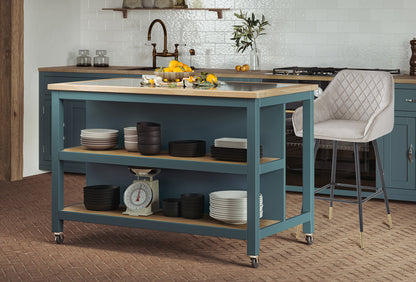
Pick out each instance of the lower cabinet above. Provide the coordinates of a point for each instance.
(74, 115)
(398, 147)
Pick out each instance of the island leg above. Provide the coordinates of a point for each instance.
(57, 166)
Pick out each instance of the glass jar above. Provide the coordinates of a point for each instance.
(83, 60)
(101, 60)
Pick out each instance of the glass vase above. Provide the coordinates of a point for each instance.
(255, 59)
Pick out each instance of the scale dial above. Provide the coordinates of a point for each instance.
(138, 195)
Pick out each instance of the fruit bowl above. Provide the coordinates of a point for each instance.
(173, 76)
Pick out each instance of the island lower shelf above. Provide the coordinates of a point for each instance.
(164, 160)
(204, 226)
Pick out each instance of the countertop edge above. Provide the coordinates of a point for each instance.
(229, 73)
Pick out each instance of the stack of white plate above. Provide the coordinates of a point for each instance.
(99, 138)
(231, 206)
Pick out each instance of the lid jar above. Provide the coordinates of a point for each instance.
(101, 60)
(83, 60)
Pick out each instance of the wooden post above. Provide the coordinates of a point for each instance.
(11, 90)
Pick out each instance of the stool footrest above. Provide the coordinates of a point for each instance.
(377, 190)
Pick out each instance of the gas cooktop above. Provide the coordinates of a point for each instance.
(319, 71)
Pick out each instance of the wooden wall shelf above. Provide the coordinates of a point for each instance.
(125, 10)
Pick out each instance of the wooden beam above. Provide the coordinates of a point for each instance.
(11, 90)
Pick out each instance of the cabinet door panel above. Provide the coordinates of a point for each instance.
(399, 171)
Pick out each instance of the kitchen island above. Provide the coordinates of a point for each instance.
(255, 111)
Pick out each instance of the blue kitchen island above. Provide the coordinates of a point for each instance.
(255, 111)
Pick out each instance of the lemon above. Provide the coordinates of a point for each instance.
(212, 78)
(177, 69)
(173, 64)
(151, 81)
(166, 69)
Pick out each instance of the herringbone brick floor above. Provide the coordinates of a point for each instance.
(94, 252)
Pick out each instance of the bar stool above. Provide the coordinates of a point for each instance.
(358, 107)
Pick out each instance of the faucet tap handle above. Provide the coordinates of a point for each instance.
(176, 51)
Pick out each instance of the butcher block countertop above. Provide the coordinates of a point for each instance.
(260, 74)
(249, 90)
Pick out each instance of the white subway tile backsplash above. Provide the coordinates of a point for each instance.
(353, 33)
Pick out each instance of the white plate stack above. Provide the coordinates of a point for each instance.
(99, 138)
(231, 206)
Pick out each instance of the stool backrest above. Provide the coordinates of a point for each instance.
(357, 95)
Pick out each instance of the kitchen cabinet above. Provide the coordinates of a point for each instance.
(251, 110)
(398, 147)
(74, 115)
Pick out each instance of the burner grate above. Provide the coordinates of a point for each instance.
(322, 71)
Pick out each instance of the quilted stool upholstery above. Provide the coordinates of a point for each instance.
(357, 106)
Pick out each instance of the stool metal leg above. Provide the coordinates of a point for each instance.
(333, 176)
(359, 197)
(315, 152)
(383, 183)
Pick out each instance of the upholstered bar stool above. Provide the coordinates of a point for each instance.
(358, 107)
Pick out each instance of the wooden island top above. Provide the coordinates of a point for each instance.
(248, 90)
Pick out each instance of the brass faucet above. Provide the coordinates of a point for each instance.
(165, 52)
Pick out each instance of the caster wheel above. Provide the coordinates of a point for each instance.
(254, 262)
(309, 240)
(59, 238)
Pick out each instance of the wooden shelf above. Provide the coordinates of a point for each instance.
(205, 221)
(125, 10)
(163, 155)
(120, 156)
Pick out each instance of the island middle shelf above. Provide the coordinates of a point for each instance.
(164, 160)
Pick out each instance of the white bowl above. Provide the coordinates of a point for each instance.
(131, 138)
(130, 146)
(131, 130)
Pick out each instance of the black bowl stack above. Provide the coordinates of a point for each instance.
(149, 138)
(171, 207)
(102, 197)
(192, 205)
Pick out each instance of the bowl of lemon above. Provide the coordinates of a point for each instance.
(176, 71)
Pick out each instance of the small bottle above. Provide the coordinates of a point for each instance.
(413, 57)
(83, 60)
(101, 60)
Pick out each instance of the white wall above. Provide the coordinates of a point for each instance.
(52, 33)
(338, 33)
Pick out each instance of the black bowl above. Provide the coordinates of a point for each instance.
(187, 148)
(149, 149)
(144, 139)
(145, 126)
(171, 207)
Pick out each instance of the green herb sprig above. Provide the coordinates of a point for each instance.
(245, 34)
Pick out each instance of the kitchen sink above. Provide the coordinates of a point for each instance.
(140, 68)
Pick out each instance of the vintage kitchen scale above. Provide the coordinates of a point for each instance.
(142, 197)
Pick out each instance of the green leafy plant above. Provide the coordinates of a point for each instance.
(245, 34)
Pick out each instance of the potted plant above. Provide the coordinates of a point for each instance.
(246, 34)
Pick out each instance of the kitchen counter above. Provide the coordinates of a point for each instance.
(260, 74)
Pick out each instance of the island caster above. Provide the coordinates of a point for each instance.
(254, 261)
(59, 238)
(309, 239)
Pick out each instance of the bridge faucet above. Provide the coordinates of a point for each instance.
(165, 52)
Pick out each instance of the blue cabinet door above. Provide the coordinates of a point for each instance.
(399, 157)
